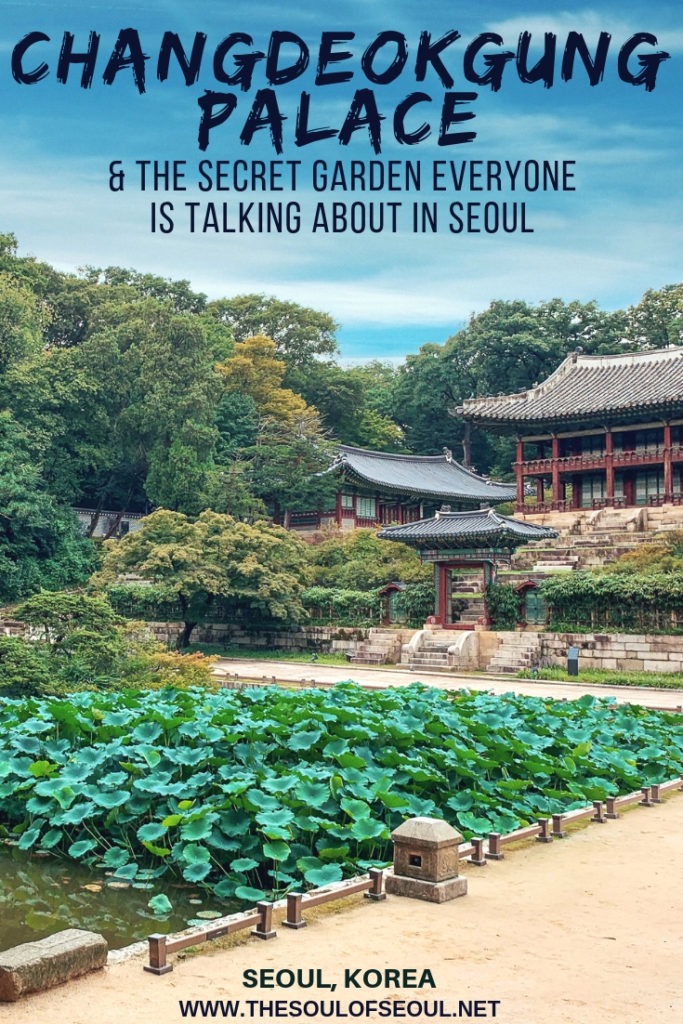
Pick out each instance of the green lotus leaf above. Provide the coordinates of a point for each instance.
(313, 794)
(276, 850)
(147, 732)
(79, 849)
(29, 838)
(126, 872)
(304, 740)
(196, 872)
(114, 779)
(225, 889)
(262, 801)
(193, 853)
(26, 744)
(356, 808)
(151, 831)
(156, 851)
(111, 800)
(51, 839)
(367, 828)
(243, 864)
(171, 820)
(199, 829)
(160, 904)
(336, 747)
(41, 769)
(75, 814)
(324, 875)
(247, 892)
(116, 857)
(277, 819)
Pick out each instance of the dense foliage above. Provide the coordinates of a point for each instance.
(504, 605)
(252, 568)
(359, 560)
(77, 642)
(635, 602)
(254, 791)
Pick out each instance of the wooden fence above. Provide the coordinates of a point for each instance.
(478, 852)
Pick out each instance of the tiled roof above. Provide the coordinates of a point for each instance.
(436, 476)
(481, 527)
(614, 387)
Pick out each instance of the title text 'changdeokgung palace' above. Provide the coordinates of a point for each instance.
(601, 431)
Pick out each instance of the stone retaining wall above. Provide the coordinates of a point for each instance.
(616, 651)
(301, 638)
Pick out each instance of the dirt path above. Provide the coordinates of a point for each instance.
(383, 677)
(587, 930)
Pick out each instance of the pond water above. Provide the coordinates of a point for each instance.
(40, 895)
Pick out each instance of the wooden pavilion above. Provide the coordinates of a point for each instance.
(479, 541)
(379, 488)
(601, 431)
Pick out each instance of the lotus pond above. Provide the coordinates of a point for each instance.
(241, 794)
(42, 894)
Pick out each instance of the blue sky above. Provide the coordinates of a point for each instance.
(611, 238)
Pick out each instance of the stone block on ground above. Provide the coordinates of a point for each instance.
(35, 966)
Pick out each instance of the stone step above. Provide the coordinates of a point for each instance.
(417, 664)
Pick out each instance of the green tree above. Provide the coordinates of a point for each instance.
(359, 560)
(250, 568)
(657, 320)
(300, 334)
(80, 632)
(41, 544)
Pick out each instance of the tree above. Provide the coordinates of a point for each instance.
(41, 544)
(354, 403)
(300, 334)
(81, 634)
(657, 320)
(359, 560)
(289, 448)
(249, 568)
(20, 322)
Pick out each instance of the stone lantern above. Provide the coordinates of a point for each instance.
(426, 861)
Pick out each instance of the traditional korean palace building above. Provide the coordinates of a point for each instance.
(601, 431)
(460, 544)
(376, 488)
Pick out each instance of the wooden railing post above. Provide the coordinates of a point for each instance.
(612, 811)
(376, 892)
(646, 801)
(294, 917)
(157, 955)
(478, 858)
(544, 835)
(264, 929)
(598, 816)
(558, 830)
(495, 851)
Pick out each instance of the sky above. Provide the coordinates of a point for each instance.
(398, 267)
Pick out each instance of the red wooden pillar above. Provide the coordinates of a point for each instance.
(338, 509)
(540, 492)
(442, 593)
(668, 467)
(519, 475)
(609, 467)
(555, 470)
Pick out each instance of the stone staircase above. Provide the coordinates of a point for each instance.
(381, 647)
(515, 651)
(431, 656)
(441, 650)
(593, 537)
